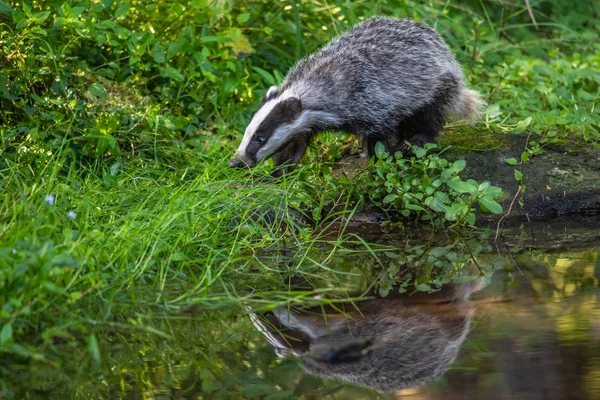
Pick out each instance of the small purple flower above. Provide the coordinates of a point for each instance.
(71, 214)
(49, 199)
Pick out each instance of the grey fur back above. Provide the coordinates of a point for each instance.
(380, 70)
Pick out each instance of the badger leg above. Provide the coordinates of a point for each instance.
(422, 127)
(289, 155)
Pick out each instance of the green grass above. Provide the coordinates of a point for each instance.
(126, 113)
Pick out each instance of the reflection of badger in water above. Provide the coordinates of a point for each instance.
(391, 344)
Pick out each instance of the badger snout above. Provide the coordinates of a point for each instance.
(237, 162)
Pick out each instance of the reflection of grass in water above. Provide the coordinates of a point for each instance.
(127, 279)
(113, 287)
(532, 325)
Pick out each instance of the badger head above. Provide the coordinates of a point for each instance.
(280, 119)
(274, 125)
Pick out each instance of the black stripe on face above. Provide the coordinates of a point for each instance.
(285, 112)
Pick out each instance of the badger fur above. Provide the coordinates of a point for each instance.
(386, 79)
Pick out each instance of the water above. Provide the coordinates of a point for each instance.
(533, 333)
(532, 337)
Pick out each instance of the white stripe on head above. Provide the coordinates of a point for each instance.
(307, 121)
(259, 117)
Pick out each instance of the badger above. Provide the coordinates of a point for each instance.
(387, 80)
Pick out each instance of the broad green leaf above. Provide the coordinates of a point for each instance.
(243, 18)
(5, 8)
(380, 150)
(389, 198)
(459, 165)
(462, 187)
(6, 334)
(423, 287)
(518, 175)
(266, 75)
(419, 152)
(511, 161)
(443, 197)
(490, 204)
(438, 205)
(76, 12)
(159, 54)
(522, 125)
(98, 90)
(174, 74)
(41, 16)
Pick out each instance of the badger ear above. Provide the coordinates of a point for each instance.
(291, 107)
(272, 93)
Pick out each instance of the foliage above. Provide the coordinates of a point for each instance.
(118, 213)
(429, 186)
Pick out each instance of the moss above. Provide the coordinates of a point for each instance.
(481, 140)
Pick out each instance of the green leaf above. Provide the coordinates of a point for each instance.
(159, 54)
(423, 287)
(443, 197)
(438, 205)
(522, 125)
(462, 187)
(267, 76)
(94, 349)
(5, 8)
(490, 205)
(414, 207)
(6, 334)
(419, 152)
(511, 161)
(98, 90)
(243, 18)
(173, 73)
(492, 191)
(76, 12)
(380, 150)
(389, 198)
(41, 16)
(458, 165)
(518, 175)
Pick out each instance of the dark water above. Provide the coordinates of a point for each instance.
(534, 336)
(532, 331)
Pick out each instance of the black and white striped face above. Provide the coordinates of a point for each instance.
(272, 127)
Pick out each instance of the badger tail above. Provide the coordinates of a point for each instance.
(467, 106)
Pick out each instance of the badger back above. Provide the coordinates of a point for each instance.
(379, 68)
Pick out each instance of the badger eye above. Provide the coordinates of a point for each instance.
(260, 139)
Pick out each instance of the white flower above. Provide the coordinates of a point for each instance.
(14, 251)
(49, 199)
(71, 214)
